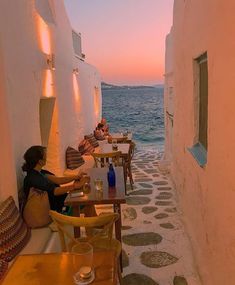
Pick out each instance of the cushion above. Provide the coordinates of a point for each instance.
(36, 210)
(73, 158)
(89, 163)
(3, 267)
(92, 140)
(85, 147)
(14, 233)
(99, 135)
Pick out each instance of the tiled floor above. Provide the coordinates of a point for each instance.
(156, 249)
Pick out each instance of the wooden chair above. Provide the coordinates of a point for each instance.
(119, 140)
(103, 159)
(128, 163)
(99, 233)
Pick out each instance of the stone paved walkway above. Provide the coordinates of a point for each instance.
(156, 249)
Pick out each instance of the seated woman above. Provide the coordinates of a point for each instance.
(105, 127)
(35, 159)
(98, 133)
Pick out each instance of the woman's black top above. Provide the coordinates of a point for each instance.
(38, 179)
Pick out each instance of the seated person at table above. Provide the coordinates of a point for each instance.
(98, 133)
(105, 126)
(35, 159)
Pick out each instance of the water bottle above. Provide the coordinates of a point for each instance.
(111, 176)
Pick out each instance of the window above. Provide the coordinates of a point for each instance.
(77, 46)
(203, 99)
(199, 149)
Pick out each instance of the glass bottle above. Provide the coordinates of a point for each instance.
(111, 176)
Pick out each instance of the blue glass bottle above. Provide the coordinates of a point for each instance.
(111, 176)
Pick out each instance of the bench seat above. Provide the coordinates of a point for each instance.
(38, 241)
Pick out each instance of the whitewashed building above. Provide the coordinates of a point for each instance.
(201, 46)
(48, 94)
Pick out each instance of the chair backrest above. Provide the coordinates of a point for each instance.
(103, 159)
(102, 225)
(131, 150)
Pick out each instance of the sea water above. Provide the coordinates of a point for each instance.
(139, 110)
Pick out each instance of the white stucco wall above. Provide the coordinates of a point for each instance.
(169, 97)
(23, 66)
(73, 123)
(7, 170)
(22, 75)
(206, 194)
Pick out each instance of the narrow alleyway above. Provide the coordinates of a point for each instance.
(156, 249)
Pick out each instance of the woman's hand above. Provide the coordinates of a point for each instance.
(79, 184)
(80, 175)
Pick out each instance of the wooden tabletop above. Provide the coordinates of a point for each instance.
(109, 196)
(120, 135)
(106, 148)
(59, 268)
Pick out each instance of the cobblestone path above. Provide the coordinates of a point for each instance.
(156, 249)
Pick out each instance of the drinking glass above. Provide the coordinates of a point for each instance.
(86, 188)
(99, 195)
(83, 263)
(114, 145)
(98, 184)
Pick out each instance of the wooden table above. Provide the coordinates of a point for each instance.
(59, 268)
(106, 148)
(116, 197)
(120, 136)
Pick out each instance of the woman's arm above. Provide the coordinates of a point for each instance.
(70, 188)
(64, 179)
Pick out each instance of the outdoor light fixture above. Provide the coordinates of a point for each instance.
(51, 61)
(75, 71)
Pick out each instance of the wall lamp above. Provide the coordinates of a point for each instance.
(75, 71)
(51, 61)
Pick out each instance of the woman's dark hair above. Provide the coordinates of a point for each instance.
(99, 126)
(32, 157)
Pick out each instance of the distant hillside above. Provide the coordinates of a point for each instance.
(105, 85)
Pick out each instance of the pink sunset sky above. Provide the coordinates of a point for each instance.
(124, 39)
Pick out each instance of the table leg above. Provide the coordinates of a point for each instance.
(118, 225)
(125, 173)
(76, 213)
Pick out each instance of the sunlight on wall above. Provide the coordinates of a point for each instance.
(48, 83)
(44, 40)
(96, 103)
(76, 93)
(44, 35)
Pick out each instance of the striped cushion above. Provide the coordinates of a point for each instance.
(73, 158)
(85, 147)
(3, 268)
(14, 233)
(92, 140)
